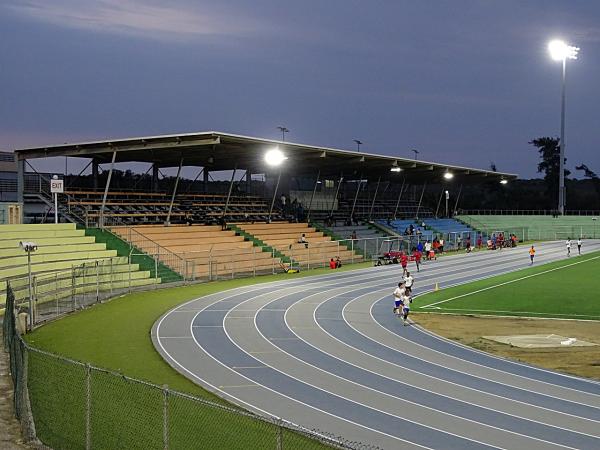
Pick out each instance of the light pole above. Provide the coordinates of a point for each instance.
(447, 198)
(560, 51)
(274, 158)
(416, 152)
(358, 144)
(283, 131)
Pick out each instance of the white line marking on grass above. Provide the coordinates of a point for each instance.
(518, 313)
(508, 282)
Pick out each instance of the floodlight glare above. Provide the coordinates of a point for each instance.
(503, 181)
(274, 157)
(559, 51)
(395, 169)
(448, 175)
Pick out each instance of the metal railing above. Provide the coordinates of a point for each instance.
(63, 403)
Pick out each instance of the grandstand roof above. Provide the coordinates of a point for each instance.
(224, 151)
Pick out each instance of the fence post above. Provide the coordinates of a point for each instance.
(111, 276)
(129, 271)
(165, 417)
(352, 248)
(273, 260)
(155, 267)
(232, 269)
(308, 256)
(253, 261)
(73, 293)
(279, 435)
(88, 407)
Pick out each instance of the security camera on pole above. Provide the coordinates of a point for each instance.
(29, 247)
(56, 187)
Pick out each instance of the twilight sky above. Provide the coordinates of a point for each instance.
(464, 82)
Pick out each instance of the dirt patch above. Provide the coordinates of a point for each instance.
(582, 361)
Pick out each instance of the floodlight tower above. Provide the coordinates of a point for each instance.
(358, 144)
(560, 51)
(283, 131)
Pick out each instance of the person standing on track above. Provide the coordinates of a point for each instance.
(531, 254)
(398, 296)
(417, 257)
(579, 242)
(568, 246)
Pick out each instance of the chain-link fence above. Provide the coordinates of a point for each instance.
(69, 404)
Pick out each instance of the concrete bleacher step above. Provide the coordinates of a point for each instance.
(32, 235)
(51, 266)
(40, 258)
(52, 249)
(27, 227)
(47, 242)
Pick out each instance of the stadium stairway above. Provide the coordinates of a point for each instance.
(451, 229)
(284, 238)
(202, 251)
(368, 238)
(62, 248)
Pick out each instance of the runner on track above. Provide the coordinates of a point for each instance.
(398, 296)
(403, 262)
(568, 246)
(531, 253)
(408, 282)
(406, 300)
(579, 242)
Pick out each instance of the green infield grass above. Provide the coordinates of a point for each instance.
(125, 413)
(566, 289)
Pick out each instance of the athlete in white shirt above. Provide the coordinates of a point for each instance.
(408, 282)
(568, 246)
(406, 300)
(579, 242)
(398, 294)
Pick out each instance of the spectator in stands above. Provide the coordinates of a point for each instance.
(468, 244)
(223, 223)
(388, 222)
(332, 263)
(427, 249)
(441, 246)
(283, 201)
(354, 236)
(338, 262)
(458, 242)
(420, 246)
(419, 232)
(479, 241)
(411, 229)
(407, 232)
(302, 240)
(423, 224)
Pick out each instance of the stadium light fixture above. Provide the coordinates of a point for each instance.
(561, 51)
(503, 181)
(396, 169)
(448, 175)
(275, 157)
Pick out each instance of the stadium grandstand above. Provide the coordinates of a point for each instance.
(237, 199)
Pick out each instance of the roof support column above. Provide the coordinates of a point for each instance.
(337, 190)
(457, 198)
(313, 196)
(355, 198)
(112, 165)
(95, 173)
(229, 192)
(21, 184)
(374, 197)
(421, 199)
(248, 182)
(399, 197)
(439, 202)
(274, 196)
(168, 221)
(154, 177)
(205, 180)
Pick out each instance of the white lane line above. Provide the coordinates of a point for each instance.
(394, 380)
(401, 338)
(372, 408)
(510, 282)
(248, 405)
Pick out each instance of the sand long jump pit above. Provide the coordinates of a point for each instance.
(540, 341)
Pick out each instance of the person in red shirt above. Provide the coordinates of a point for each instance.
(332, 263)
(417, 256)
(403, 262)
(479, 242)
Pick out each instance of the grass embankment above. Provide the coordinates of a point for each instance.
(566, 289)
(126, 414)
